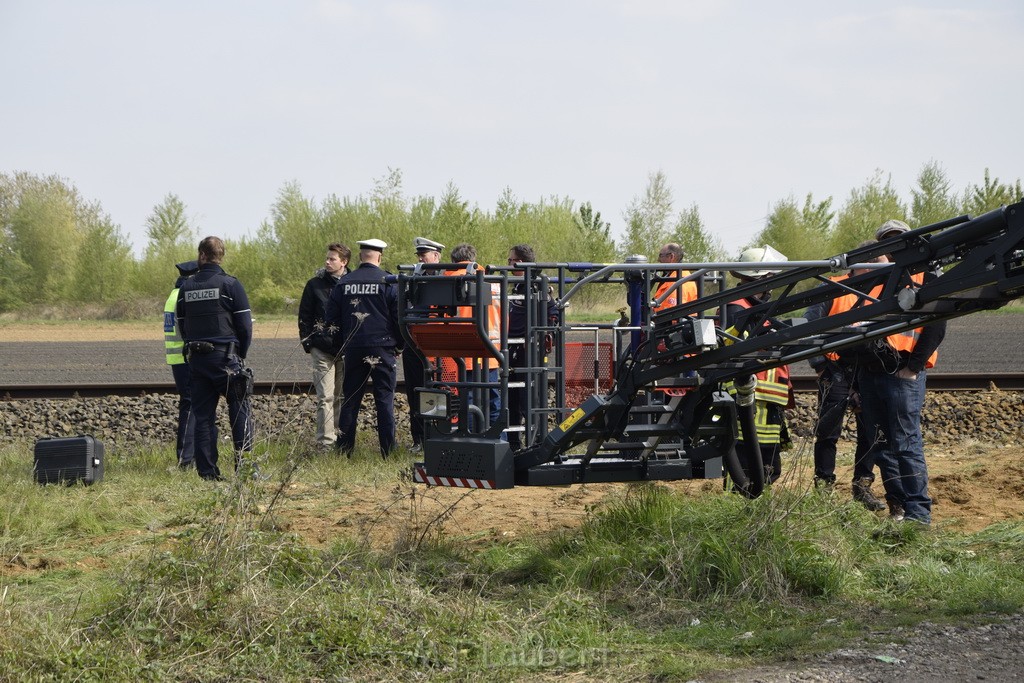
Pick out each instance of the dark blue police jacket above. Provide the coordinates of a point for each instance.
(212, 306)
(364, 310)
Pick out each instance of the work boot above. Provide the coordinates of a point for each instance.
(825, 485)
(863, 495)
(896, 512)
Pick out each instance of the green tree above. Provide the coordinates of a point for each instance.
(933, 199)
(648, 218)
(104, 264)
(866, 209)
(169, 232)
(698, 244)
(390, 214)
(453, 218)
(991, 194)
(171, 239)
(41, 228)
(293, 224)
(798, 232)
(597, 245)
(344, 220)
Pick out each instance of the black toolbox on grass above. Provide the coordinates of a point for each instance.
(69, 459)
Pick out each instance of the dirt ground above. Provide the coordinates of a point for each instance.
(972, 485)
(135, 330)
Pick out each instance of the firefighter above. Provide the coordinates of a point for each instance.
(774, 390)
(216, 324)
(363, 309)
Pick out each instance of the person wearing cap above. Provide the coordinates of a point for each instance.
(892, 382)
(427, 251)
(836, 393)
(363, 313)
(174, 353)
(216, 324)
(318, 342)
(891, 228)
(774, 390)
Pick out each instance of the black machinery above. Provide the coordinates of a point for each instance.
(644, 398)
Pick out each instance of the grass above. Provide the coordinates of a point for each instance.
(155, 575)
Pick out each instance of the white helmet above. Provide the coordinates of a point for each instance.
(763, 254)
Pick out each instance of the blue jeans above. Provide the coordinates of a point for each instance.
(893, 405)
(493, 404)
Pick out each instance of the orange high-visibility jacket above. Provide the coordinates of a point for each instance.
(493, 314)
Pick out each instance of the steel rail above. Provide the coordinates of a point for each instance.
(960, 381)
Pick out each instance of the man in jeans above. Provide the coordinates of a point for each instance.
(892, 388)
(318, 342)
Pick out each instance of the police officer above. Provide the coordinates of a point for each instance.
(363, 308)
(174, 352)
(216, 324)
(427, 251)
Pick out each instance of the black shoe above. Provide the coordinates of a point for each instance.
(185, 465)
(863, 495)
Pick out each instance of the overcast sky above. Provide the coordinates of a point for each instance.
(741, 104)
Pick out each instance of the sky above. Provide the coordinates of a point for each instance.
(741, 104)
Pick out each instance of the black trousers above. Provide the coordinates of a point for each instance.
(833, 401)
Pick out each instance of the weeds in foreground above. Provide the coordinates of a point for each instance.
(195, 582)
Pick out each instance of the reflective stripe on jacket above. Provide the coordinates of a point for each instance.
(773, 387)
(174, 346)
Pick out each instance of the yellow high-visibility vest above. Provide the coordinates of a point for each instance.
(174, 345)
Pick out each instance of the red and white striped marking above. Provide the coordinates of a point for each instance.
(421, 477)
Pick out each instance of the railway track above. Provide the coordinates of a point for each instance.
(960, 381)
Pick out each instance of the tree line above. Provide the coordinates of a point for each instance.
(58, 248)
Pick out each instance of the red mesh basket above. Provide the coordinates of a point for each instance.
(588, 365)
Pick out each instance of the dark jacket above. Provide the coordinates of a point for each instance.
(363, 310)
(313, 331)
(213, 306)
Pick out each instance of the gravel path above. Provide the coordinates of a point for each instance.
(925, 653)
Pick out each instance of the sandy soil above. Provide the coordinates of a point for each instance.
(136, 330)
(973, 486)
